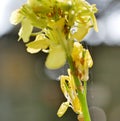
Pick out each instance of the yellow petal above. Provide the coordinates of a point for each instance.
(42, 6)
(57, 25)
(81, 32)
(94, 22)
(56, 33)
(39, 44)
(76, 105)
(31, 50)
(36, 21)
(63, 108)
(76, 52)
(56, 57)
(34, 3)
(25, 30)
(16, 17)
(88, 58)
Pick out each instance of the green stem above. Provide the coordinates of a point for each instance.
(81, 94)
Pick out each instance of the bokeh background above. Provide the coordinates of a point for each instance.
(30, 92)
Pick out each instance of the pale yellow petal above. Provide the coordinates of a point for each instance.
(36, 21)
(39, 44)
(76, 105)
(25, 30)
(89, 59)
(57, 25)
(31, 50)
(81, 32)
(16, 17)
(95, 23)
(56, 58)
(62, 109)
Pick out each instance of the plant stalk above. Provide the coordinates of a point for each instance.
(81, 94)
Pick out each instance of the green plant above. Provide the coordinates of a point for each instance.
(61, 26)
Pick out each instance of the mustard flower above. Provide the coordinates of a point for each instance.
(59, 23)
(57, 27)
(50, 42)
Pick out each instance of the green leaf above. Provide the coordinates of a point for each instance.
(56, 57)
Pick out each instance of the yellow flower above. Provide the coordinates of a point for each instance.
(61, 21)
(50, 40)
(69, 90)
(82, 60)
(56, 57)
(84, 19)
(78, 15)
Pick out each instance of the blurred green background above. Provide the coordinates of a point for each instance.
(30, 92)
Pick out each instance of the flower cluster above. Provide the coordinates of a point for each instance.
(57, 27)
(59, 23)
